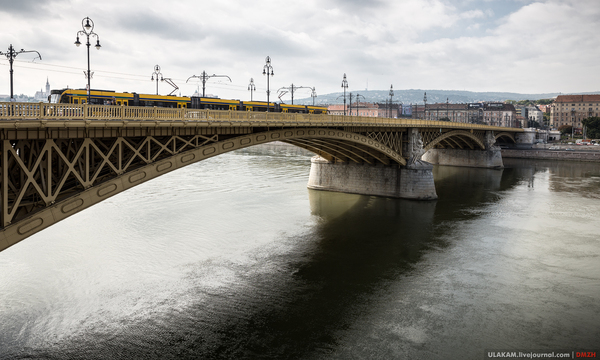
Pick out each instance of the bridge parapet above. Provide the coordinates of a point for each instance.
(53, 114)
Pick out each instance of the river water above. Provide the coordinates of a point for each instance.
(234, 258)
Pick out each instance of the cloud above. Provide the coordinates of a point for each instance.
(29, 7)
(537, 46)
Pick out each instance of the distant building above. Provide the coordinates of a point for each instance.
(41, 95)
(355, 109)
(572, 109)
(544, 108)
(388, 110)
(495, 114)
(534, 114)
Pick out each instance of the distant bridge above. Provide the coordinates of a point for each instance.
(59, 159)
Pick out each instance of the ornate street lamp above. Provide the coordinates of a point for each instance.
(344, 86)
(268, 71)
(313, 95)
(251, 87)
(158, 74)
(11, 55)
(88, 30)
(391, 96)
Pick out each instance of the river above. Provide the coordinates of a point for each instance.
(234, 258)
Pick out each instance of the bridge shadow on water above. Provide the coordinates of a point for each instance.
(297, 304)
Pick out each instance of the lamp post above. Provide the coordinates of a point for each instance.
(391, 96)
(11, 55)
(268, 71)
(88, 30)
(157, 73)
(572, 122)
(447, 110)
(344, 86)
(204, 77)
(251, 87)
(313, 95)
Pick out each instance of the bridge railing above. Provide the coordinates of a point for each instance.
(45, 111)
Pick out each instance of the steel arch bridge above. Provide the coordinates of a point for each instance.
(57, 160)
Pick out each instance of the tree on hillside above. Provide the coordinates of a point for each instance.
(592, 127)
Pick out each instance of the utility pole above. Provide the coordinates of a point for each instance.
(292, 89)
(11, 55)
(204, 77)
(350, 107)
(344, 86)
(425, 107)
(357, 103)
(251, 87)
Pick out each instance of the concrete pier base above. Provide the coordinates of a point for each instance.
(469, 158)
(410, 182)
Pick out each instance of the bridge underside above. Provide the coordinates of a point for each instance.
(48, 174)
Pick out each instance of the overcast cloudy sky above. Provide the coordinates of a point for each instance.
(480, 45)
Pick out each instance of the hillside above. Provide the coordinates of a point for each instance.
(413, 96)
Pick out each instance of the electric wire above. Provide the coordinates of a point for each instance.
(130, 77)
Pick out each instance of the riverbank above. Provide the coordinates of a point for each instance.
(567, 153)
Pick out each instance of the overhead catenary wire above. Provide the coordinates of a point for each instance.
(129, 77)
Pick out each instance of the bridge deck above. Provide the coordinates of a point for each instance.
(59, 159)
(16, 116)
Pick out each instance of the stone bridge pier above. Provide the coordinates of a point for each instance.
(489, 157)
(411, 181)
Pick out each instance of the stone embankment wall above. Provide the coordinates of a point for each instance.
(572, 155)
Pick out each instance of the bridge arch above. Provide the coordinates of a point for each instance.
(460, 138)
(506, 136)
(126, 163)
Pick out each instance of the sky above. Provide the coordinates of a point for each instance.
(477, 45)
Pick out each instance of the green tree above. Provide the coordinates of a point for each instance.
(592, 126)
(565, 129)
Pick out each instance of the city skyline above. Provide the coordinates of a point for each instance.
(504, 46)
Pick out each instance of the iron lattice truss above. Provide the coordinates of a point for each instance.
(38, 173)
(391, 139)
(453, 139)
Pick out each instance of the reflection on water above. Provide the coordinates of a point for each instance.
(234, 258)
